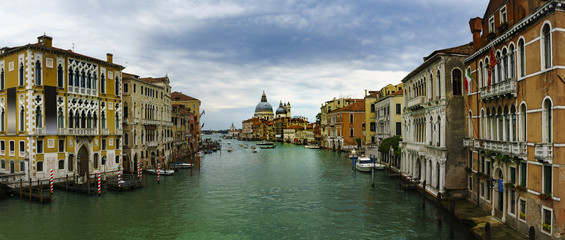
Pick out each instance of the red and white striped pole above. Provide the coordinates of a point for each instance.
(119, 177)
(158, 172)
(138, 172)
(51, 181)
(99, 184)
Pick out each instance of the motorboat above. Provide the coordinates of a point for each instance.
(268, 146)
(364, 164)
(230, 149)
(181, 165)
(254, 150)
(245, 146)
(265, 143)
(312, 146)
(164, 172)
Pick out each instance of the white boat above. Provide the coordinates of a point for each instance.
(312, 146)
(230, 149)
(200, 153)
(245, 146)
(352, 154)
(181, 165)
(254, 150)
(365, 164)
(163, 172)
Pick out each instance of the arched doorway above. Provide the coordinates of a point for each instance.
(418, 169)
(126, 165)
(83, 160)
(152, 159)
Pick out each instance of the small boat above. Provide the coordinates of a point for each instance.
(312, 146)
(245, 146)
(265, 143)
(352, 154)
(253, 147)
(229, 143)
(364, 164)
(230, 149)
(181, 165)
(200, 153)
(254, 150)
(241, 144)
(268, 146)
(164, 172)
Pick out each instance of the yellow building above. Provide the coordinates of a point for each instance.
(148, 134)
(369, 126)
(59, 110)
(325, 109)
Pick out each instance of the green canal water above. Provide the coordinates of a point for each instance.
(285, 193)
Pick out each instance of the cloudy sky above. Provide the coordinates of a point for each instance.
(227, 52)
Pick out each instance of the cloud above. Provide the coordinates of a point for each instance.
(227, 52)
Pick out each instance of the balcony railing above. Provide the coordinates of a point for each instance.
(119, 131)
(40, 131)
(151, 122)
(416, 101)
(152, 144)
(507, 86)
(503, 147)
(544, 152)
(467, 142)
(104, 131)
(82, 131)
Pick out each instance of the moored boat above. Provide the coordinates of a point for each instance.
(230, 149)
(181, 165)
(312, 146)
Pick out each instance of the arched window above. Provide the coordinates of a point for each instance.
(521, 58)
(456, 75)
(438, 131)
(21, 74)
(70, 77)
(103, 120)
(89, 121)
(82, 80)
(38, 118)
(486, 73)
(512, 67)
(117, 120)
(523, 121)
(2, 121)
(500, 127)
(483, 126)
(505, 66)
(94, 81)
(470, 123)
(37, 72)
(546, 35)
(60, 118)
(506, 124)
(71, 120)
(102, 84)
(60, 76)
(547, 121)
(498, 75)
(77, 78)
(514, 123)
(480, 74)
(88, 80)
(2, 85)
(117, 86)
(22, 119)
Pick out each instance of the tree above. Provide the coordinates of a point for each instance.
(319, 118)
(391, 142)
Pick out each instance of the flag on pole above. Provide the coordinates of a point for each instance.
(492, 63)
(468, 80)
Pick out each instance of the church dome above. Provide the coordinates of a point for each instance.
(264, 106)
(281, 109)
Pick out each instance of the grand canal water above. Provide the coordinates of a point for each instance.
(283, 193)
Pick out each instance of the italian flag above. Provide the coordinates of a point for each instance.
(468, 79)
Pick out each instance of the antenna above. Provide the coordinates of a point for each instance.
(73, 47)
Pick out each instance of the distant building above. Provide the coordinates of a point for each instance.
(346, 126)
(388, 121)
(192, 105)
(325, 124)
(264, 110)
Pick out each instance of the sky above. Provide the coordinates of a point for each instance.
(226, 53)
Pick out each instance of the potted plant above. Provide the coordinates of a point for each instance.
(520, 188)
(522, 215)
(546, 227)
(509, 185)
(545, 196)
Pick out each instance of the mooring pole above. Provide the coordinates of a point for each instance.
(373, 172)
(21, 187)
(452, 220)
(424, 194)
(40, 191)
(30, 189)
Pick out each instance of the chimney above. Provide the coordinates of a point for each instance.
(365, 92)
(476, 25)
(109, 58)
(45, 40)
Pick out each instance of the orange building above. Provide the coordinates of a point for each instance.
(346, 126)
(514, 159)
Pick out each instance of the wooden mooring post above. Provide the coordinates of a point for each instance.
(30, 189)
(373, 172)
(40, 191)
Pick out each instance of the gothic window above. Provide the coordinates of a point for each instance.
(514, 126)
(547, 121)
(88, 80)
(521, 58)
(77, 78)
(117, 86)
(37, 73)
(94, 81)
(505, 66)
(546, 36)
(498, 75)
(480, 74)
(21, 74)
(117, 120)
(486, 73)
(82, 80)
(60, 76)
(70, 77)
(60, 118)
(22, 119)
(2, 80)
(38, 118)
(103, 120)
(438, 84)
(523, 122)
(456, 75)
(71, 119)
(102, 84)
(512, 66)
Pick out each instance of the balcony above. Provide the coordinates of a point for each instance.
(104, 131)
(416, 103)
(499, 89)
(152, 144)
(82, 131)
(508, 148)
(40, 131)
(544, 152)
(467, 142)
(119, 131)
(150, 122)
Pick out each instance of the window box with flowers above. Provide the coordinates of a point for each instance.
(509, 185)
(523, 215)
(546, 227)
(545, 196)
(520, 188)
